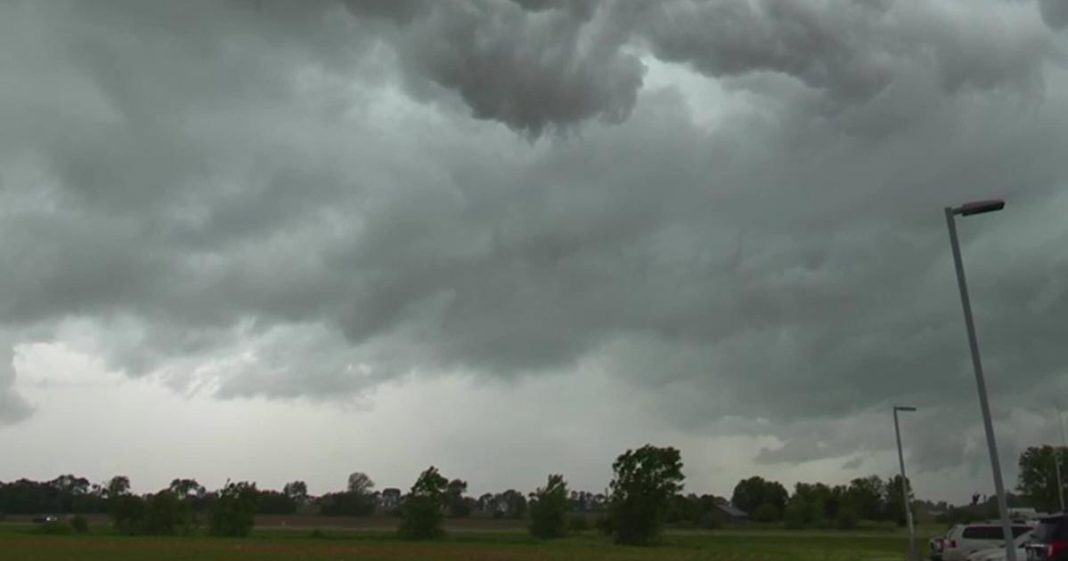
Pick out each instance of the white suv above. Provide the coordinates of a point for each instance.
(964, 539)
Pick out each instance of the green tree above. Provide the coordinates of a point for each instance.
(127, 513)
(360, 483)
(515, 505)
(297, 491)
(641, 489)
(548, 509)
(766, 513)
(356, 500)
(117, 486)
(187, 488)
(807, 506)
(847, 518)
(233, 513)
(1037, 480)
(164, 514)
(894, 503)
(796, 514)
(865, 495)
(422, 512)
(454, 498)
(818, 502)
(753, 493)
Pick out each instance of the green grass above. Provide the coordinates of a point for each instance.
(22, 544)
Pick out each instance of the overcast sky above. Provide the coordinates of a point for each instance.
(292, 239)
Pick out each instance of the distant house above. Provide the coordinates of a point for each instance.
(733, 514)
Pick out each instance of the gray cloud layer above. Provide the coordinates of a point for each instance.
(1055, 12)
(302, 184)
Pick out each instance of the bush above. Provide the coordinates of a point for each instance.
(80, 524)
(54, 528)
(548, 509)
(578, 524)
(847, 518)
(234, 512)
(605, 526)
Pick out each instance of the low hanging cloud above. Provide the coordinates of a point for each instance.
(13, 407)
(307, 200)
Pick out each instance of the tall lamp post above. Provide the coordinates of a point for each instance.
(972, 209)
(1056, 454)
(1057, 464)
(905, 485)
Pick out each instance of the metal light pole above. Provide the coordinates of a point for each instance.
(970, 209)
(1057, 464)
(913, 556)
(1057, 454)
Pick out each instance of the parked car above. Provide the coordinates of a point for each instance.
(1050, 540)
(998, 554)
(966, 539)
(936, 547)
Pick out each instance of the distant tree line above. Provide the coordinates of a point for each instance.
(644, 494)
(821, 505)
(634, 510)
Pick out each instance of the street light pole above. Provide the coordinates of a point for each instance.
(913, 556)
(1057, 465)
(988, 425)
(1057, 455)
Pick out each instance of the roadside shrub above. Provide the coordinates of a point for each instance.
(604, 525)
(578, 524)
(847, 518)
(80, 524)
(54, 528)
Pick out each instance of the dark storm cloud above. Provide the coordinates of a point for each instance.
(534, 66)
(529, 70)
(1054, 12)
(268, 198)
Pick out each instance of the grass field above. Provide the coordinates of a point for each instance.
(19, 543)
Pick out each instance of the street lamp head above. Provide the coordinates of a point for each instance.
(903, 408)
(979, 207)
